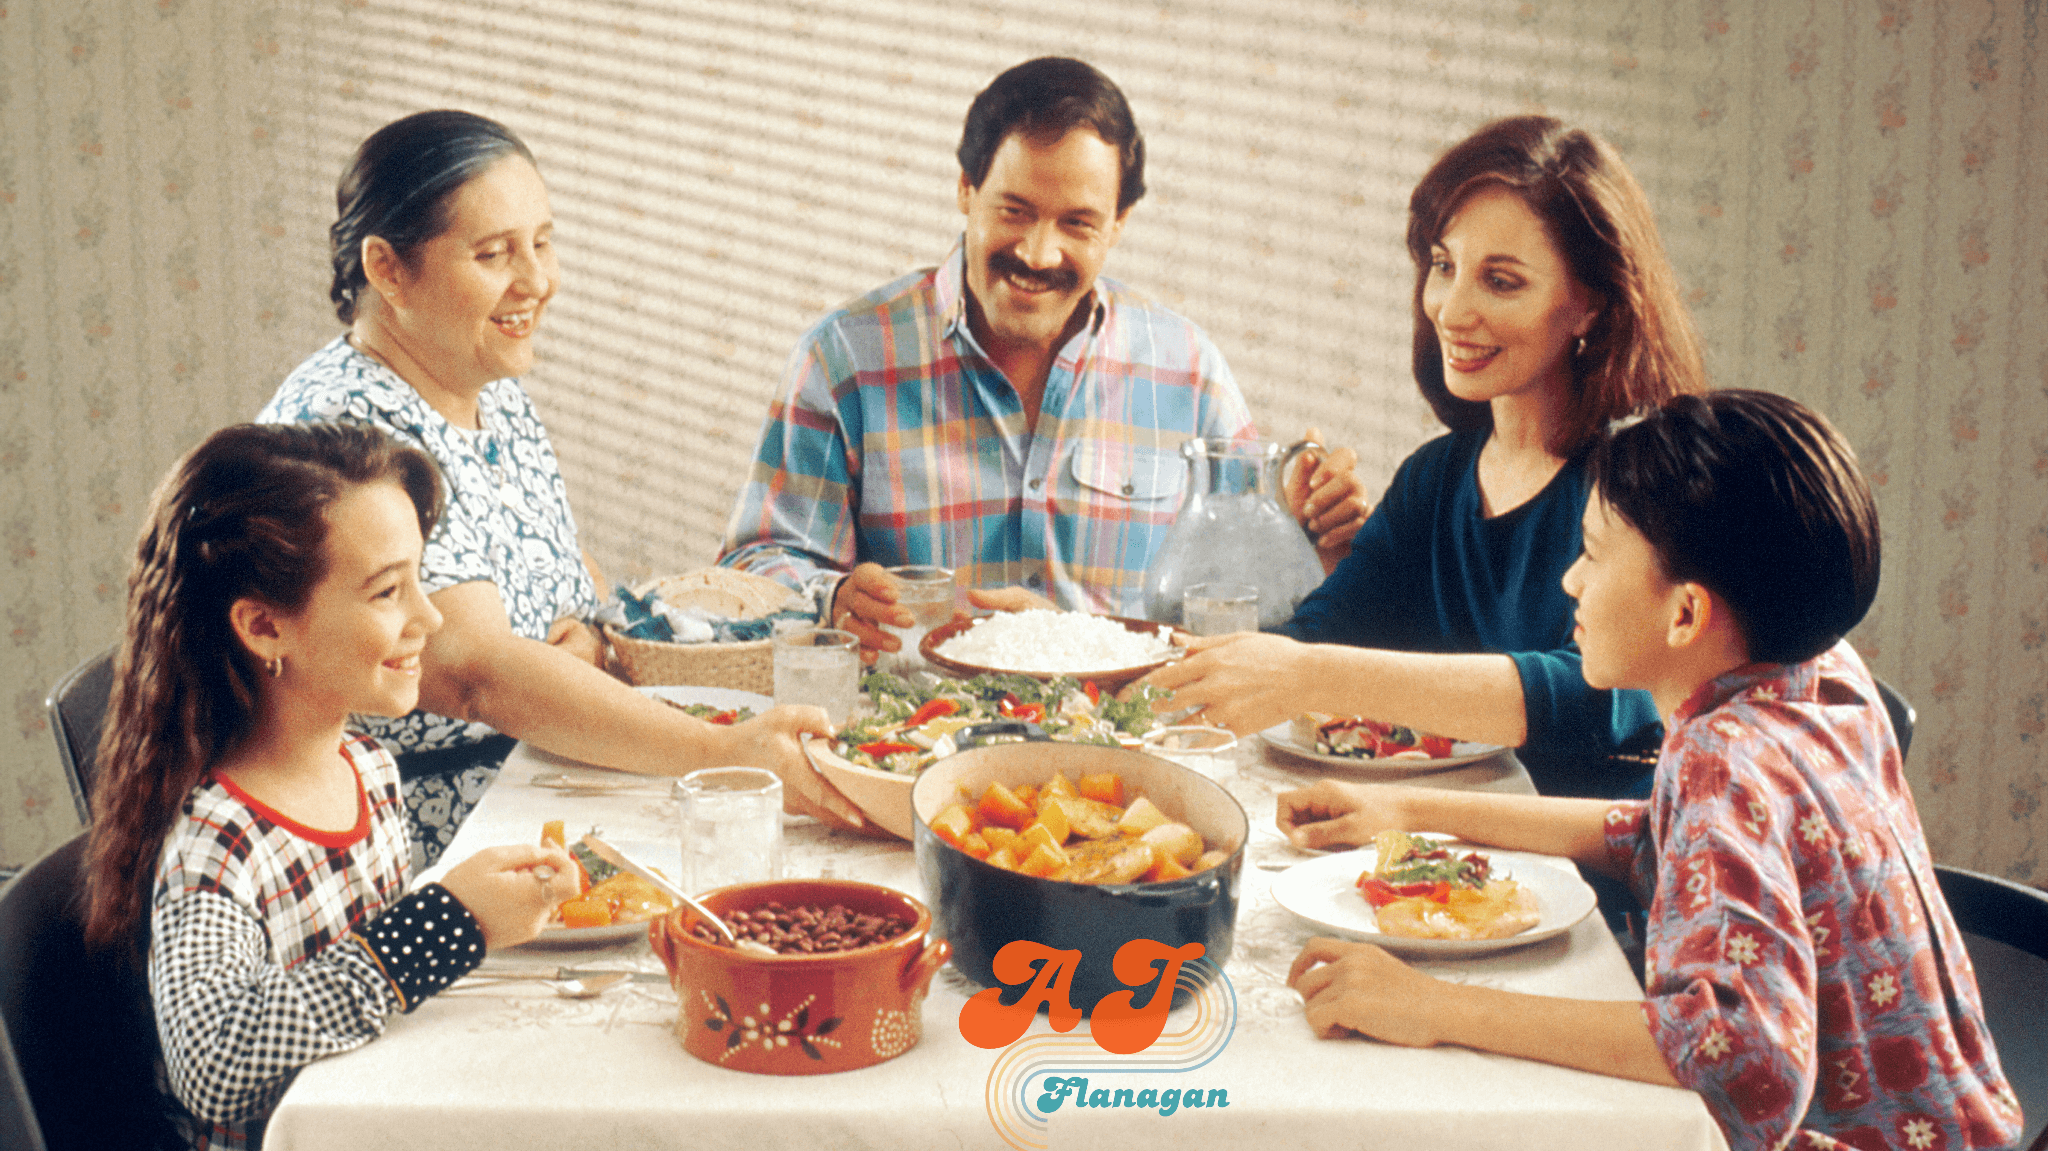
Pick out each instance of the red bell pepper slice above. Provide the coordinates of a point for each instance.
(883, 748)
(1010, 707)
(932, 711)
(1094, 693)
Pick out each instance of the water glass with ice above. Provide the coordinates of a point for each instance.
(926, 592)
(1219, 608)
(819, 666)
(732, 827)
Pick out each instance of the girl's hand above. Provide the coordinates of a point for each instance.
(1333, 814)
(1245, 681)
(771, 740)
(1358, 988)
(511, 891)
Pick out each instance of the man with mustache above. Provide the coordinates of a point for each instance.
(1006, 414)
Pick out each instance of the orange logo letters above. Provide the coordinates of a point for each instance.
(986, 1022)
(1117, 1026)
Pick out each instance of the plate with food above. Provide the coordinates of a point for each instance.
(1428, 895)
(1369, 745)
(614, 908)
(1108, 651)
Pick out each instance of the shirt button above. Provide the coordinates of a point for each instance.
(1034, 485)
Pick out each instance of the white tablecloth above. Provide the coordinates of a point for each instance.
(514, 1066)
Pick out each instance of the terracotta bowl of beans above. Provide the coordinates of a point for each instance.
(845, 988)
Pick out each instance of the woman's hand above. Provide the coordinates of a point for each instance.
(1358, 988)
(1326, 496)
(1245, 681)
(578, 639)
(1333, 814)
(511, 891)
(772, 740)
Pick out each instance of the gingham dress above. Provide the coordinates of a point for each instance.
(274, 944)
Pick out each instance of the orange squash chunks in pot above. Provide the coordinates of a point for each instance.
(1073, 836)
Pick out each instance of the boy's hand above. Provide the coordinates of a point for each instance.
(1332, 814)
(1358, 988)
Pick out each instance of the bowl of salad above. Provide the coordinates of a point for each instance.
(918, 722)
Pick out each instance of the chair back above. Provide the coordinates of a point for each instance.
(77, 707)
(78, 1024)
(2005, 928)
(1902, 715)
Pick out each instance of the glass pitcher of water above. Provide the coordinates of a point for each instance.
(1233, 528)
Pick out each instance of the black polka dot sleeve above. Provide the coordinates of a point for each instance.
(424, 942)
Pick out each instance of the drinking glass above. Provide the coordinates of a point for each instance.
(818, 666)
(732, 827)
(1219, 608)
(927, 593)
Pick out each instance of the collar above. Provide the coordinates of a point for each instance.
(1783, 682)
(949, 288)
(389, 393)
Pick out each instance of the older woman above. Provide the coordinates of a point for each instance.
(444, 264)
(1544, 308)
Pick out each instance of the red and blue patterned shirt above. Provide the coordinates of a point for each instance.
(1803, 972)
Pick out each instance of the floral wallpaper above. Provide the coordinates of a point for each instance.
(1849, 192)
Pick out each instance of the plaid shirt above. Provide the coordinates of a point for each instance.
(1803, 973)
(274, 944)
(895, 439)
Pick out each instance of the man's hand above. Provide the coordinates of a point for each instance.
(865, 600)
(1325, 495)
(1009, 599)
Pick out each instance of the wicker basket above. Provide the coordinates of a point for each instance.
(746, 666)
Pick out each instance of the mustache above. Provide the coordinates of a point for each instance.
(1006, 265)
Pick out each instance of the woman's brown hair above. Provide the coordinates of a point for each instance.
(243, 515)
(1641, 349)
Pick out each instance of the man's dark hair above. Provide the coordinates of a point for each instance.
(1045, 99)
(1758, 499)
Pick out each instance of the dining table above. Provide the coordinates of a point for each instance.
(505, 1064)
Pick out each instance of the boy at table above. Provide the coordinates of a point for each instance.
(1803, 974)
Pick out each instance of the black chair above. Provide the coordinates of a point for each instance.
(1902, 715)
(2005, 928)
(77, 707)
(77, 1024)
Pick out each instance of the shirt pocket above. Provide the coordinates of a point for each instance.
(1146, 478)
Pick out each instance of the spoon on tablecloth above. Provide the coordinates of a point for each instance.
(627, 863)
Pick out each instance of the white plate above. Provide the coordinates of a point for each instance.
(663, 857)
(1324, 892)
(568, 937)
(722, 698)
(1281, 736)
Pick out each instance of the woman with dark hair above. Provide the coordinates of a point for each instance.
(275, 593)
(444, 263)
(1544, 307)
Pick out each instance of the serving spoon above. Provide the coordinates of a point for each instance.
(627, 863)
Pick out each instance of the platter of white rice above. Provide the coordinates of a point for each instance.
(1050, 643)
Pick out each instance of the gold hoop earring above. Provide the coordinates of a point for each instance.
(276, 667)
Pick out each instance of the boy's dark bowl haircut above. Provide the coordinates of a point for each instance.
(1757, 498)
